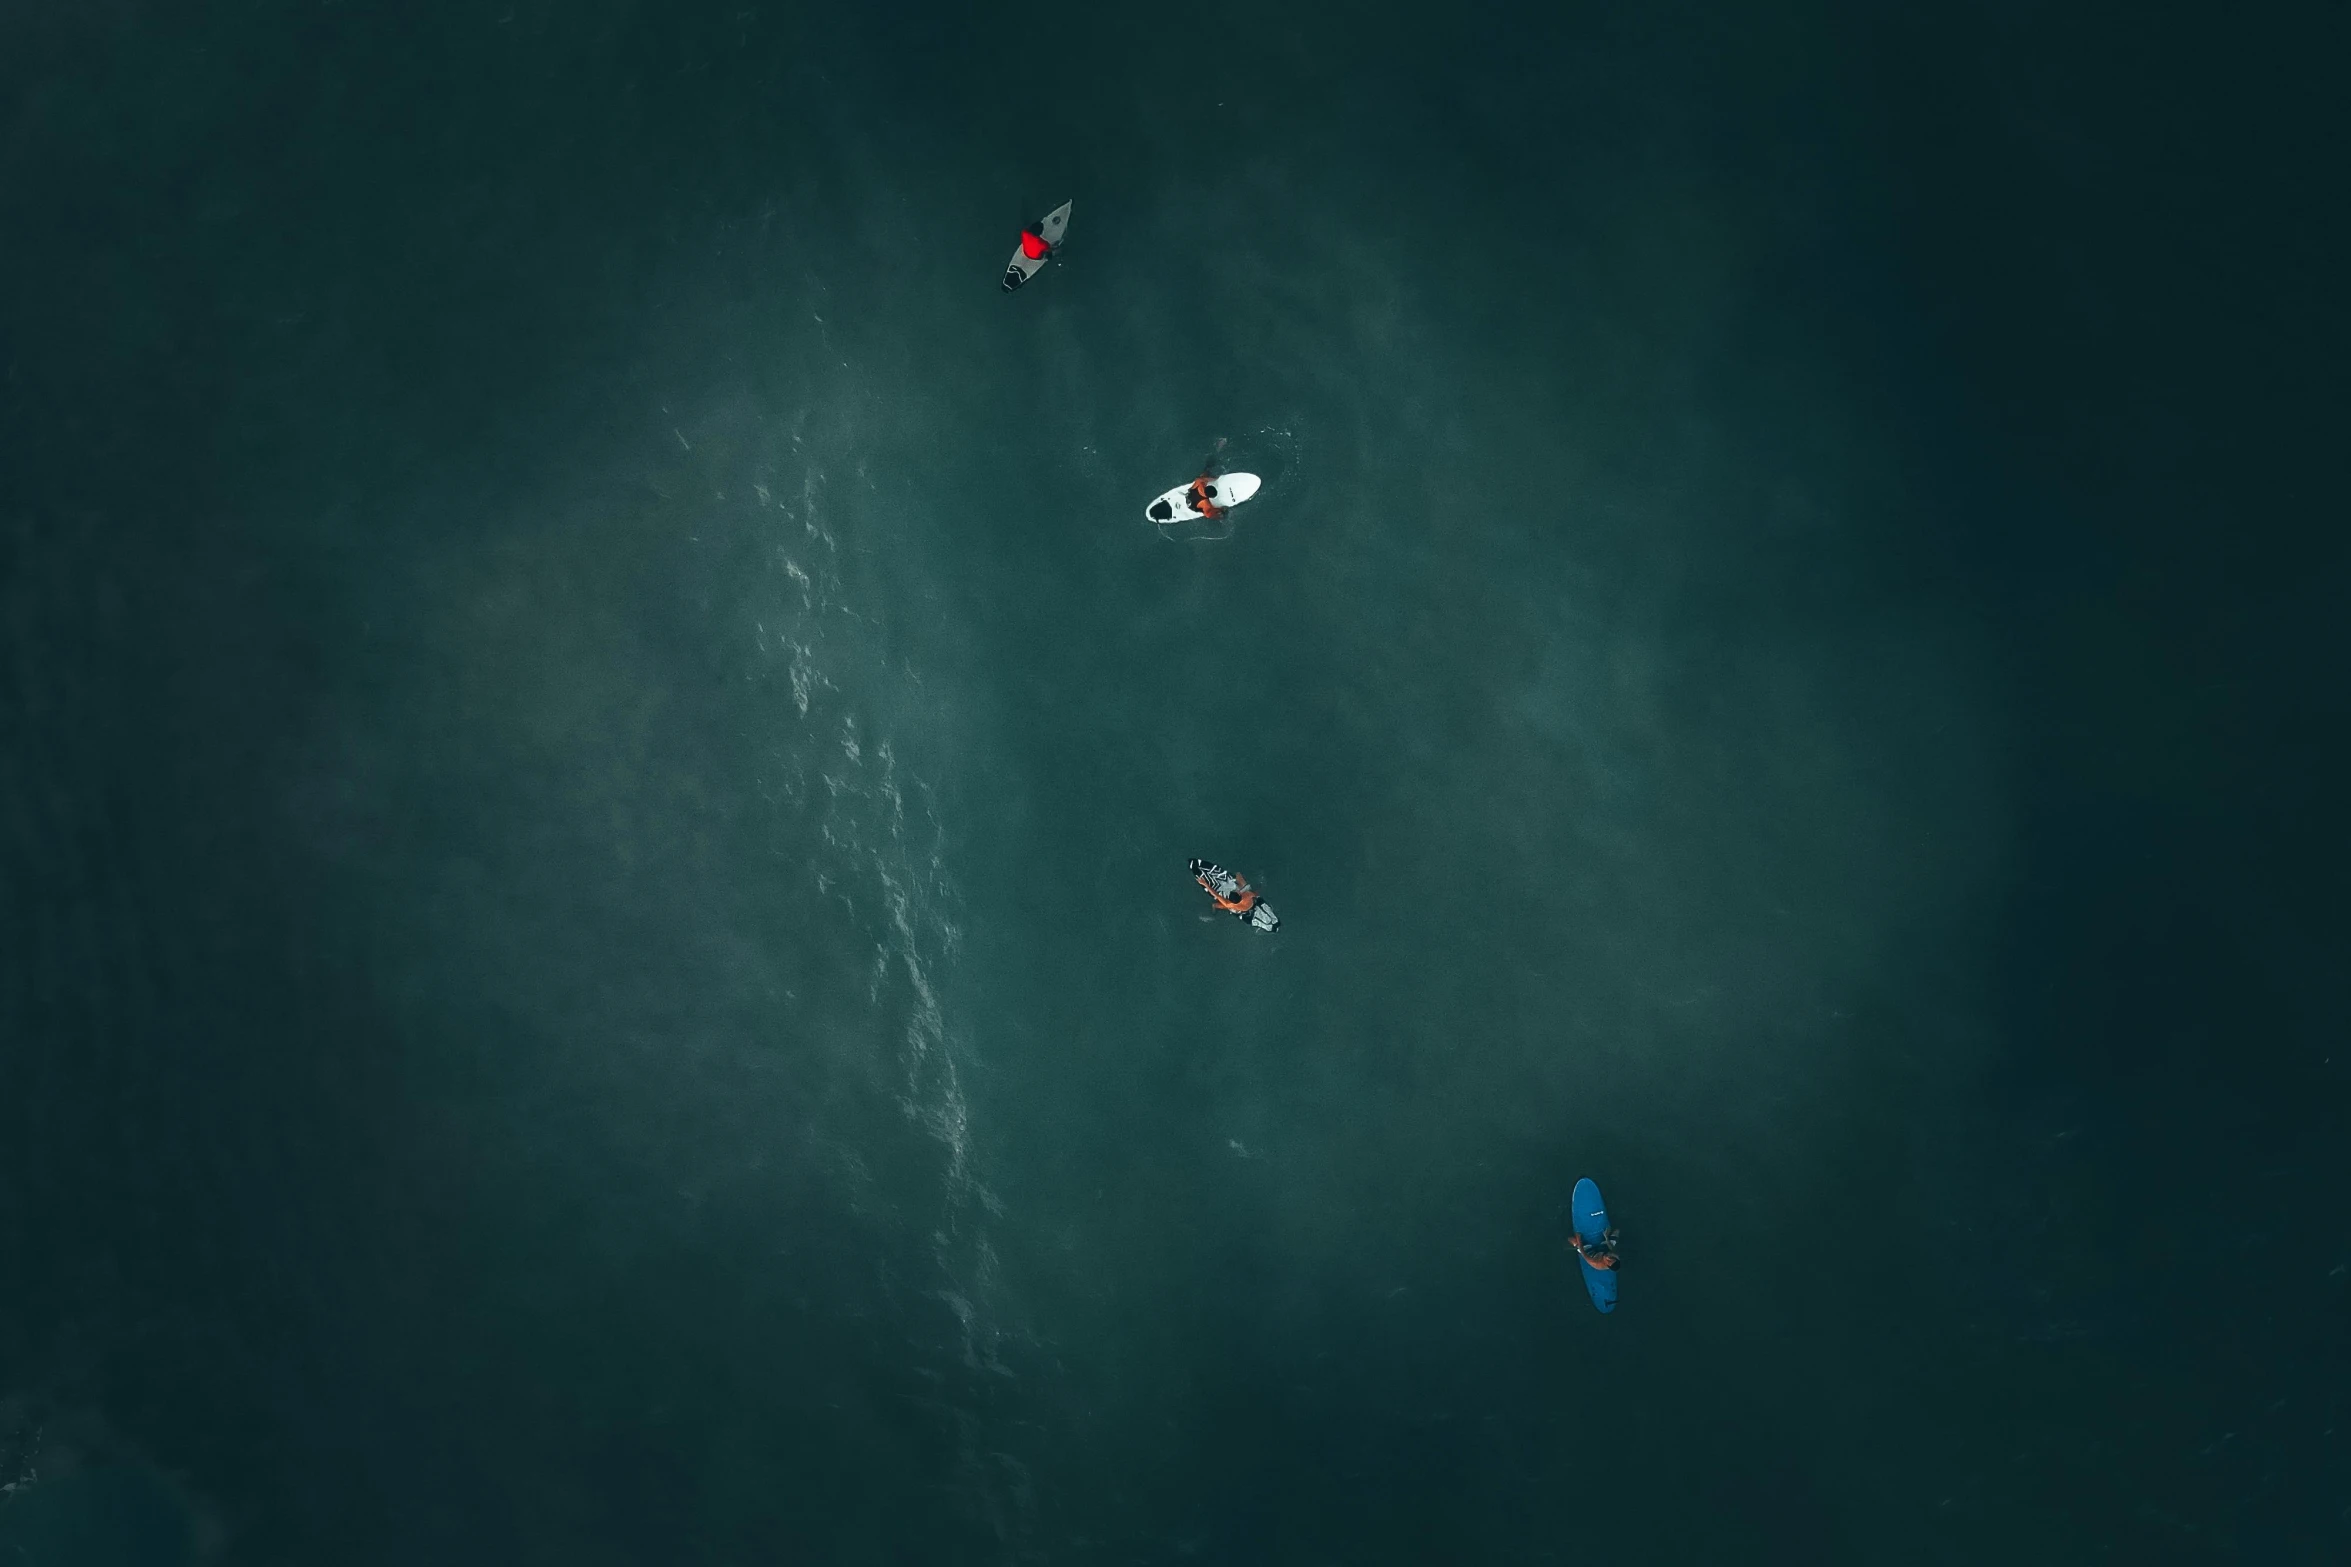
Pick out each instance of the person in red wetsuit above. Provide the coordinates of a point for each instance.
(1032, 245)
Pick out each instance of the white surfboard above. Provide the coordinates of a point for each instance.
(1225, 491)
(1024, 267)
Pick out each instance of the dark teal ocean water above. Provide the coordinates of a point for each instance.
(596, 762)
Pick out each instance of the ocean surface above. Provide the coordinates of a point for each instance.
(597, 760)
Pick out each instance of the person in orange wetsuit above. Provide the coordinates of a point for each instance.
(1600, 1254)
(1244, 896)
(1200, 501)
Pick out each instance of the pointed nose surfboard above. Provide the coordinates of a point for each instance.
(1023, 267)
(1591, 1222)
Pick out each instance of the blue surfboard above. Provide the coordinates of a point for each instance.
(1591, 1222)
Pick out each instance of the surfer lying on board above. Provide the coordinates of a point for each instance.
(1600, 1253)
(1033, 244)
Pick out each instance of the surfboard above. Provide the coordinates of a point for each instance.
(1050, 231)
(1225, 491)
(1591, 1222)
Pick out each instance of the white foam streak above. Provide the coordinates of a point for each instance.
(875, 847)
